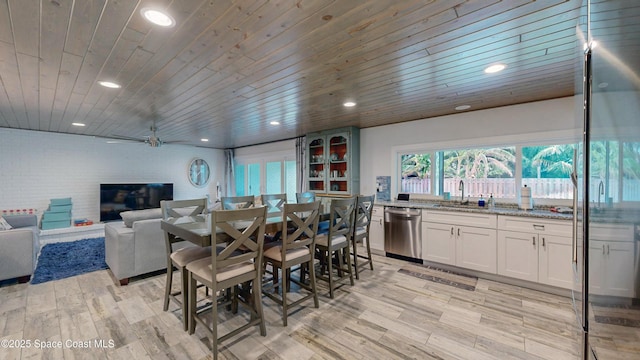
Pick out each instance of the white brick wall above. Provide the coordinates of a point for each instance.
(37, 166)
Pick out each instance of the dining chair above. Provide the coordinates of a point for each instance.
(361, 227)
(227, 267)
(296, 248)
(305, 197)
(179, 251)
(274, 203)
(336, 242)
(237, 202)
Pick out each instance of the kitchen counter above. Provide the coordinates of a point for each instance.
(498, 210)
(606, 215)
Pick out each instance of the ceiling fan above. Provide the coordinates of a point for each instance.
(152, 140)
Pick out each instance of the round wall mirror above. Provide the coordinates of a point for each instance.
(199, 172)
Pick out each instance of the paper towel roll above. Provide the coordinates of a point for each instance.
(525, 198)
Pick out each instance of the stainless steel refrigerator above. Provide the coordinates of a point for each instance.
(607, 182)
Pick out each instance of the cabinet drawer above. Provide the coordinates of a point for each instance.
(378, 211)
(460, 218)
(540, 226)
(611, 232)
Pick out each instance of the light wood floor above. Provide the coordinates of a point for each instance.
(400, 310)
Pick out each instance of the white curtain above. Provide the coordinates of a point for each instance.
(301, 149)
(229, 173)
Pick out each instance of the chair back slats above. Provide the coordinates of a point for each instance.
(341, 217)
(274, 203)
(237, 202)
(176, 210)
(303, 221)
(242, 245)
(305, 197)
(364, 211)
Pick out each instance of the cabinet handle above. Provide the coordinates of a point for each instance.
(607, 249)
(534, 241)
(458, 231)
(452, 231)
(543, 244)
(538, 227)
(380, 221)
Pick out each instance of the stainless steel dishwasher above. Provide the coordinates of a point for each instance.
(403, 231)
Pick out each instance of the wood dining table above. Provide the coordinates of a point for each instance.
(198, 230)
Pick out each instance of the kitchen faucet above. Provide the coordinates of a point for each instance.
(461, 188)
(600, 192)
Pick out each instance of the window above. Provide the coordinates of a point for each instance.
(415, 173)
(547, 170)
(500, 171)
(239, 178)
(253, 175)
(291, 175)
(272, 176)
(631, 171)
(610, 182)
(483, 171)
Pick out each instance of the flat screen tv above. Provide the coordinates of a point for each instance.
(116, 198)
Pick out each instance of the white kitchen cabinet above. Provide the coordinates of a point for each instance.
(439, 243)
(518, 255)
(476, 248)
(459, 238)
(554, 261)
(611, 260)
(535, 250)
(376, 231)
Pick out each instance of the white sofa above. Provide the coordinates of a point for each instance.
(19, 247)
(135, 246)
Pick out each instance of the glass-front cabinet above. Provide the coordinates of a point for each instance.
(333, 161)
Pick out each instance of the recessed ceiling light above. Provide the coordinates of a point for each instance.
(158, 17)
(77, 124)
(349, 104)
(495, 68)
(463, 107)
(275, 123)
(109, 84)
(204, 140)
(603, 85)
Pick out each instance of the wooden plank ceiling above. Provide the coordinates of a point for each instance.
(229, 68)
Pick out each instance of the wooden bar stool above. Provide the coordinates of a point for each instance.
(180, 252)
(228, 267)
(362, 224)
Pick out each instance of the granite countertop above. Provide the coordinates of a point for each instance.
(604, 215)
(500, 209)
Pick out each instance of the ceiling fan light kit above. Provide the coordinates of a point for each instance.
(154, 141)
